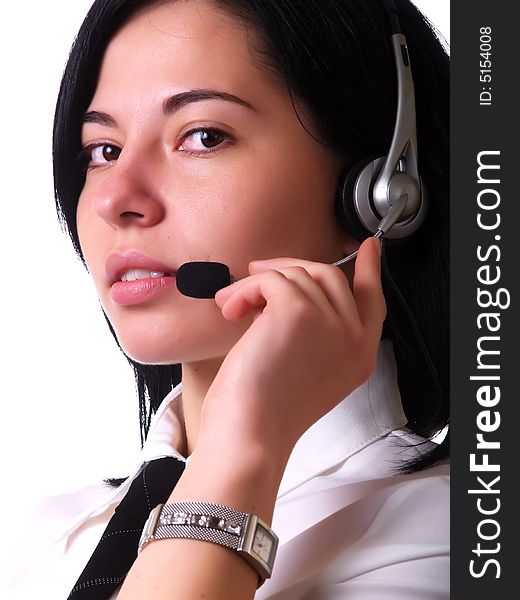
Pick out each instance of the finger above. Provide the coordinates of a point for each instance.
(273, 288)
(368, 290)
(310, 289)
(304, 289)
(224, 293)
(331, 280)
(279, 264)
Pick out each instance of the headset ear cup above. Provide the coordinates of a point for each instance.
(345, 206)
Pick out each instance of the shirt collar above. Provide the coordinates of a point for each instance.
(371, 411)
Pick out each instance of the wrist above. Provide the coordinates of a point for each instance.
(244, 533)
(240, 475)
(248, 455)
(258, 439)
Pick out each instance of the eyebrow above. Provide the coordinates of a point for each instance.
(172, 104)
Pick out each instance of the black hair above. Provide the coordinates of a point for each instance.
(335, 56)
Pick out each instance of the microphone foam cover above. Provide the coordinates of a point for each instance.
(202, 279)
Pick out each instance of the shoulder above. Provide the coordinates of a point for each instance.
(416, 506)
(362, 530)
(396, 542)
(412, 508)
(58, 511)
(401, 546)
(41, 563)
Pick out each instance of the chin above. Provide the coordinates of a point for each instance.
(149, 350)
(166, 347)
(151, 356)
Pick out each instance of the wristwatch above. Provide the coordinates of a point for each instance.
(245, 533)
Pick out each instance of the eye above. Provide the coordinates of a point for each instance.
(205, 140)
(96, 155)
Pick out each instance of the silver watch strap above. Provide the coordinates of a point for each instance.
(245, 533)
(223, 525)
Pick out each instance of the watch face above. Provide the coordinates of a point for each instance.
(262, 543)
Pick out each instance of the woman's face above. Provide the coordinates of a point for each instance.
(228, 175)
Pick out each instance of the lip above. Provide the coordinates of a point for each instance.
(128, 293)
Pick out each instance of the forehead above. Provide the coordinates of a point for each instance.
(184, 44)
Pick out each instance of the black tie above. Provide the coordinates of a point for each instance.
(117, 548)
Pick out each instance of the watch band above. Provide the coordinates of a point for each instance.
(242, 532)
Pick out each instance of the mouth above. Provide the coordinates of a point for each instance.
(137, 274)
(136, 279)
(132, 265)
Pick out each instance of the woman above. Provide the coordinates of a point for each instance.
(218, 131)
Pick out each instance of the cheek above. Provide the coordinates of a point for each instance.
(243, 218)
(91, 240)
(276, 208)
(84, 222)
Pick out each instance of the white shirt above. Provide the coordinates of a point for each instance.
(348, 527)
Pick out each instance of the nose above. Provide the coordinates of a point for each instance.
(127, 197)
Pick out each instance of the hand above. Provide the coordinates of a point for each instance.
(312, 342)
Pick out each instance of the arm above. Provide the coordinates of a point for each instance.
(243, 478)
(270, 388)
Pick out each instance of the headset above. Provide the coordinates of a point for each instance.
(378, 197)
(385, 195)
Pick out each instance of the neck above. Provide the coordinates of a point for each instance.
(196, 380)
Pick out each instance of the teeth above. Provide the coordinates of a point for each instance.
(135, 274)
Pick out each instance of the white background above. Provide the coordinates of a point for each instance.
(69, 406)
